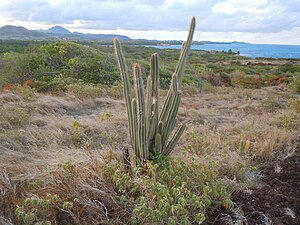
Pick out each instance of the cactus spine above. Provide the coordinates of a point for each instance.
(150, 131)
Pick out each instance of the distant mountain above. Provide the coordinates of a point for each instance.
(13, 32)
(55, 33)
(176, 42)
(58, 30)
(61, 33)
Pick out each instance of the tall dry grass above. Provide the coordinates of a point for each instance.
(60, 145)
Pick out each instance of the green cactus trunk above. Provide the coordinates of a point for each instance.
(150, 131)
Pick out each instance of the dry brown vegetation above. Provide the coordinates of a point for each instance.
(59, 145)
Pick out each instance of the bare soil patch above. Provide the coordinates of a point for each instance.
(277, 202)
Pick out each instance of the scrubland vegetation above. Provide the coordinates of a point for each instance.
(63, 131)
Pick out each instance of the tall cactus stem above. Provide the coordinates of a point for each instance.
(150, 130)
(126, 85)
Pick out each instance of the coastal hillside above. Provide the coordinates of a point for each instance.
(64, 138)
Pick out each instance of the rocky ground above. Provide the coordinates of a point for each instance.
(276, 202)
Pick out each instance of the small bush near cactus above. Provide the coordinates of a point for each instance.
(170, 191)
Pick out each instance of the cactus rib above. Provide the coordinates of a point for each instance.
(150, 130)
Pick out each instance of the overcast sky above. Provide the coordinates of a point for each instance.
(254, 21)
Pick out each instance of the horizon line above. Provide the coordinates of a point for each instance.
(110, 32)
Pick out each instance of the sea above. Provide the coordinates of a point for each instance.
(249, 50)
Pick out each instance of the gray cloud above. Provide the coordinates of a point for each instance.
(212, 15)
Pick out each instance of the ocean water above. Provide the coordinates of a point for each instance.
(249, 50)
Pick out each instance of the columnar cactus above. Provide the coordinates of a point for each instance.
(150, 131)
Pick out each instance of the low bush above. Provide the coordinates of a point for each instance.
(28, 93)
(289, 67)
(115, 91)
(169, 191)
(248, 81)
(272, 105)
(82, 91)
(75, 134)
(55, 86)
(165, 191)
(295, 85)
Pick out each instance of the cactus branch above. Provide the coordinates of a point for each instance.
(150, 130)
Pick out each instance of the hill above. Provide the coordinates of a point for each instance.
(55, 33)
(60, 33)
(12, 32)
(58, 30)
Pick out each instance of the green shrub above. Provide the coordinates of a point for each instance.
(115, 91)
(225, 79)
(37, 210)
(55, 86)
(248, 81)
(15, 68)
(59, 59)
(76, 134)
(169, 191)
(29, 94)
(272, 105)
(82, 91)
(295, 84)
(289, 67)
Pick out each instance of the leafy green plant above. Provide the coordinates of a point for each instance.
(175, 193)
(76, 134)
(106, 116)
(32, 210)
(148, 130)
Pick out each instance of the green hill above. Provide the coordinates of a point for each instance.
(55, 33)
(12, 32)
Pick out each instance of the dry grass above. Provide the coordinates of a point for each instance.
(55, 145)
(79, 182)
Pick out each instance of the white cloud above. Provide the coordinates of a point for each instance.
(170, 3)
(233, 6)
(270, 18)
